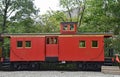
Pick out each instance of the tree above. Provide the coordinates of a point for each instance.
(113, 7)
(24, 26)
(12, 14)
(50, 21)
(16, 10)
(103, 16)
(95, 17)
(70, 5)
(116, 44)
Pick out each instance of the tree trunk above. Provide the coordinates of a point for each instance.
(69, 12)
(5, 15)
(4, 25)
(83, 10)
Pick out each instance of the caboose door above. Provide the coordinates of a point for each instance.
(51, 48)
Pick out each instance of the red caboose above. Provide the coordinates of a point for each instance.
(67, 46)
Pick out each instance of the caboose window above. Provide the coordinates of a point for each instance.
(55, 40)
(94, 43)
(65, 27)
(52, 40)
(71, 26)
(27, 43)
(47, 40)
(19, 44)
(82, 44)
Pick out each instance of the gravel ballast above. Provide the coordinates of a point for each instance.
(54, 74)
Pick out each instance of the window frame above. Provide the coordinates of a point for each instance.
(51, 40)
(55, 40)
(17, 44)
(73, 27)
(92, 44)
(66, 27)
(84, 43)
(26, 43)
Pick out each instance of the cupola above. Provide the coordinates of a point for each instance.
(68, 27)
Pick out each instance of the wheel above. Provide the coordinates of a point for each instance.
(16, 66)
(84, 68)
(34, 66)
(81, 66)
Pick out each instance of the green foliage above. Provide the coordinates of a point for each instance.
(94, 17)
(25, 9)
(69, 6)
(101, 16)
(23, 26)
(116, 44)
(114, 9)
(16, 11)
(0, 23)
(108, 45)
(0, 44)
(6, 47)
(50, 22)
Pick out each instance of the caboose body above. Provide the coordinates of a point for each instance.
(66, 46)
(57, 47)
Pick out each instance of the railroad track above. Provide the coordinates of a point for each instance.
(111, 70)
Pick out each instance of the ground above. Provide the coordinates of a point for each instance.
(54, 74)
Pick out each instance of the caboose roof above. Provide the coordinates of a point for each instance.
(54, 34)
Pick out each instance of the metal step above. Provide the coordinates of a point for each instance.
(108, 61)
(108, 64)
(5, 65)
